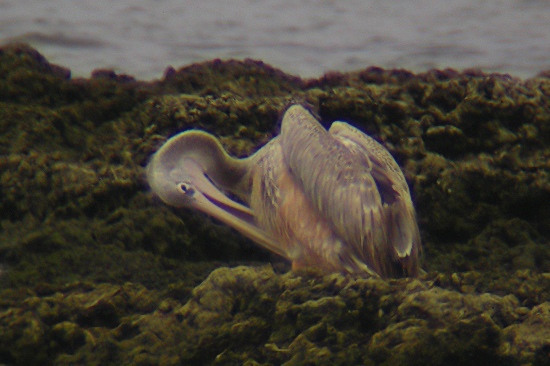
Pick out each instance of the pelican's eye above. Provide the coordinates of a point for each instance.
(186, 188)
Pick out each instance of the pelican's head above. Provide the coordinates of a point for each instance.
(184, 173)
(187, 171)
(176, 181)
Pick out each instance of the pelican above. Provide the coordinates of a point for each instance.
(335, 199)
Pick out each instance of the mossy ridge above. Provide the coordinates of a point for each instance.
(79, 195)
(102, 174)
(43, 108)
(253, 315)
(248, 78)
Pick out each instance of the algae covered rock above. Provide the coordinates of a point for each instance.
(247, 314)
(94, 270)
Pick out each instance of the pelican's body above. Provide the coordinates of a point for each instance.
(333, 199)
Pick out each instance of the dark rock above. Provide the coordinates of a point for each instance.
(94, 270)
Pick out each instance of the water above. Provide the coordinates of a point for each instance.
(305, 38)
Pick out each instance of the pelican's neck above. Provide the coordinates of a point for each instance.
(228, 173)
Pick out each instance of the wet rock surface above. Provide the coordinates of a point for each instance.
(95, 270)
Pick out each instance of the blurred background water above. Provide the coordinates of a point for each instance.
(306, 38)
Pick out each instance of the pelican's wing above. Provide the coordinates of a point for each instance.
(355, 183)
(400, 220)
(339, 184)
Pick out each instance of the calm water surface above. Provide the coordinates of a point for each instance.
(307, 38)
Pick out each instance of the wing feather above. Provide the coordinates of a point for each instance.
(357, 186)
(397, 207)
(337, 182)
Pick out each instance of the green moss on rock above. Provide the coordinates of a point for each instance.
(253, 315)
(95, 270)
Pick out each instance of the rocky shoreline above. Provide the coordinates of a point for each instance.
(94, 270)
